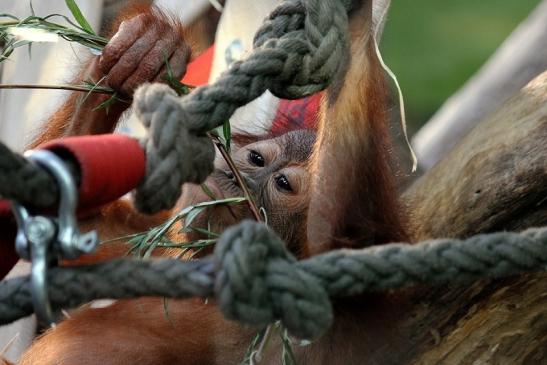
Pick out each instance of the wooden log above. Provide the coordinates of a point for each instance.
(494, 179)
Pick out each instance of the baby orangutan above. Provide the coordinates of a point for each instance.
(276, 172)
(319, 194)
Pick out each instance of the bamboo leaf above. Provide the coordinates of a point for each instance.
(172, 81)
(122, 238)
(45, 20)
(191, 212)
(150, 248)
(205, 232)
(10, 16)
(287, 357)
(229, 201)
(31, 8)
(208, 191)
(251, 349)
(21, 43)
(77, 13)
(227, 133)
(107, 103)
(193, 215)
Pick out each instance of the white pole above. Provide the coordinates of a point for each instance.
(519, 59)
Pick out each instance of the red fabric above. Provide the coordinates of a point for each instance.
(111, 165)
(294, 114)
(199, 69)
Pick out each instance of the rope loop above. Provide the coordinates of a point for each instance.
(174, 153)
(311, 37)
(258, 282)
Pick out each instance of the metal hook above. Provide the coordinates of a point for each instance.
(42, 239)
(40, 232)
(71, 241)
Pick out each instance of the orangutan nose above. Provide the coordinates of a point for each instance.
(249, 181)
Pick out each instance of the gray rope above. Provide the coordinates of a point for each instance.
(259, 281)
(24, 181)
(298, 50)
(69, 287)
(256, 281)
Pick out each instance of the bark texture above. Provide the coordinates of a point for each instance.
(494, 179)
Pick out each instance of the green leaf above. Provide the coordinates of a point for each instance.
(204, 232)
(235, 200)
(149, 247)
(107, 103)
(31, 8)
(191, 212)
(172, 81)
(227, 133)
(192, 215)
(208, 191)
(176, 85)
(224, 134)
(21, 43)
(122, 238)
(10, 16)
(77, 13)
(8, 49)
(287, 356)
(252, 348)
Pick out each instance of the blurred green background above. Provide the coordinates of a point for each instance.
(435, 46)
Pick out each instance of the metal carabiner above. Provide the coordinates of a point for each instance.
(38, 236)
(45, 239)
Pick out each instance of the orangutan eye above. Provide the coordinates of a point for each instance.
(256, 158)
(283, 183)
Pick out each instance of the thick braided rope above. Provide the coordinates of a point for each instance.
(297, 51)
(256, 281)
(117, 279)
(24, 181)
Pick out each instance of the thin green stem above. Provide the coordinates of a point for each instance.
(246, 193)
(98, 90)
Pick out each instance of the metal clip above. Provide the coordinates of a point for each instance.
(44, 240)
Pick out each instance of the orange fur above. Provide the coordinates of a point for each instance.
(144, 331)
(79, 115)
(356, 206)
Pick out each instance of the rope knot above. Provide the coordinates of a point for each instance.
(258, 282)
(175, 152)
(310, 41)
